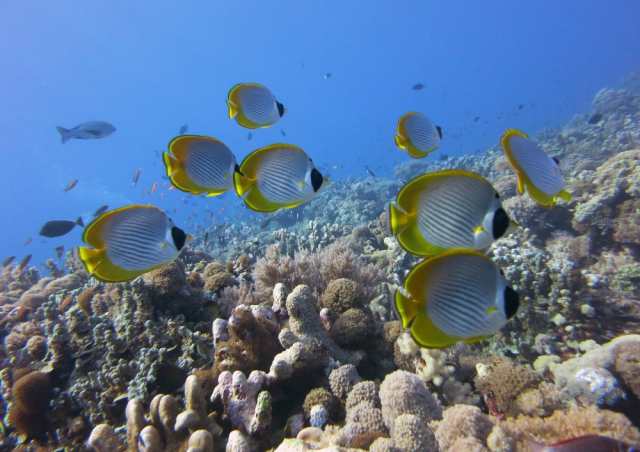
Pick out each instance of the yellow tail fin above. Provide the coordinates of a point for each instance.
(398, 218)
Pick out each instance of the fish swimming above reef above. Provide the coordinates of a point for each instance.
(417, 87)
(416, 134)
(8, 260)
(58, 228)
(276, 177)
(100, 211)
(252, 105)
(535, 171)
(183, 129)
(71, 185)
(136, 176)
(199, 164)
(87, 131)
(28, 241)
(249, 136)
(457, 296)
(130, 241)
(448, 209)
(327, 75)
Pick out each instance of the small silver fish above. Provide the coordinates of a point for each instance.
(100, 210)
(136, 176)
(71, 185)
(87, 131)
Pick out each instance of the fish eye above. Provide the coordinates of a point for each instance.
(500, 223)
(316, 179)
(179, 237)
(511, 302)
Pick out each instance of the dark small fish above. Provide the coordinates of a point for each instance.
(24, 262)
(369, 172)
(206, 238)
(58, 228)
(7, 261)
(283, 133)
(417, 87)
(327, 75)
(595, 118)
(136, 176)
(520, 106)
(444, 157)
(100, 211)
(28, 241)
(249, 136)
(439, 129)
(476, 119)
(587, 443)
(183, 129)
(59, 251)
(71, 185)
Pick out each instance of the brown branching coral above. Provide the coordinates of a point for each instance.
(562, 425)
(250, 341)
(501, 381)
(28, 413)
(315, 270)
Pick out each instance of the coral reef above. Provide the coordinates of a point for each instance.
(288, 338)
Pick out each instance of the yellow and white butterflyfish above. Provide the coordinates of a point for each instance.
(457, 296)
(416, 134)
(276, 177)
(200, 165)
(127, 242)
(253, 105)
(535, 171)
(448, 209)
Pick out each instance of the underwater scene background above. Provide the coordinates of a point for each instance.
(279, 331)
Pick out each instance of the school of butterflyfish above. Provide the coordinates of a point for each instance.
(449, 218)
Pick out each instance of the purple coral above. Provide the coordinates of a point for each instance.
(246, 404)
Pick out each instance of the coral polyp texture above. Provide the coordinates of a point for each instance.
(282, 334)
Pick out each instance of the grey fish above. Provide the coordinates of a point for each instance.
(8, 261)
(100, 211)
(369, 172)
(327, 75)
(249, 136)
(24, 262)
(87, 131)
(57, 228)
(283, 133)
(183, 129)
(71, 185)
(417, 87)
(136, 176)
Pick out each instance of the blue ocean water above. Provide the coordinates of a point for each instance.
(150, 67)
